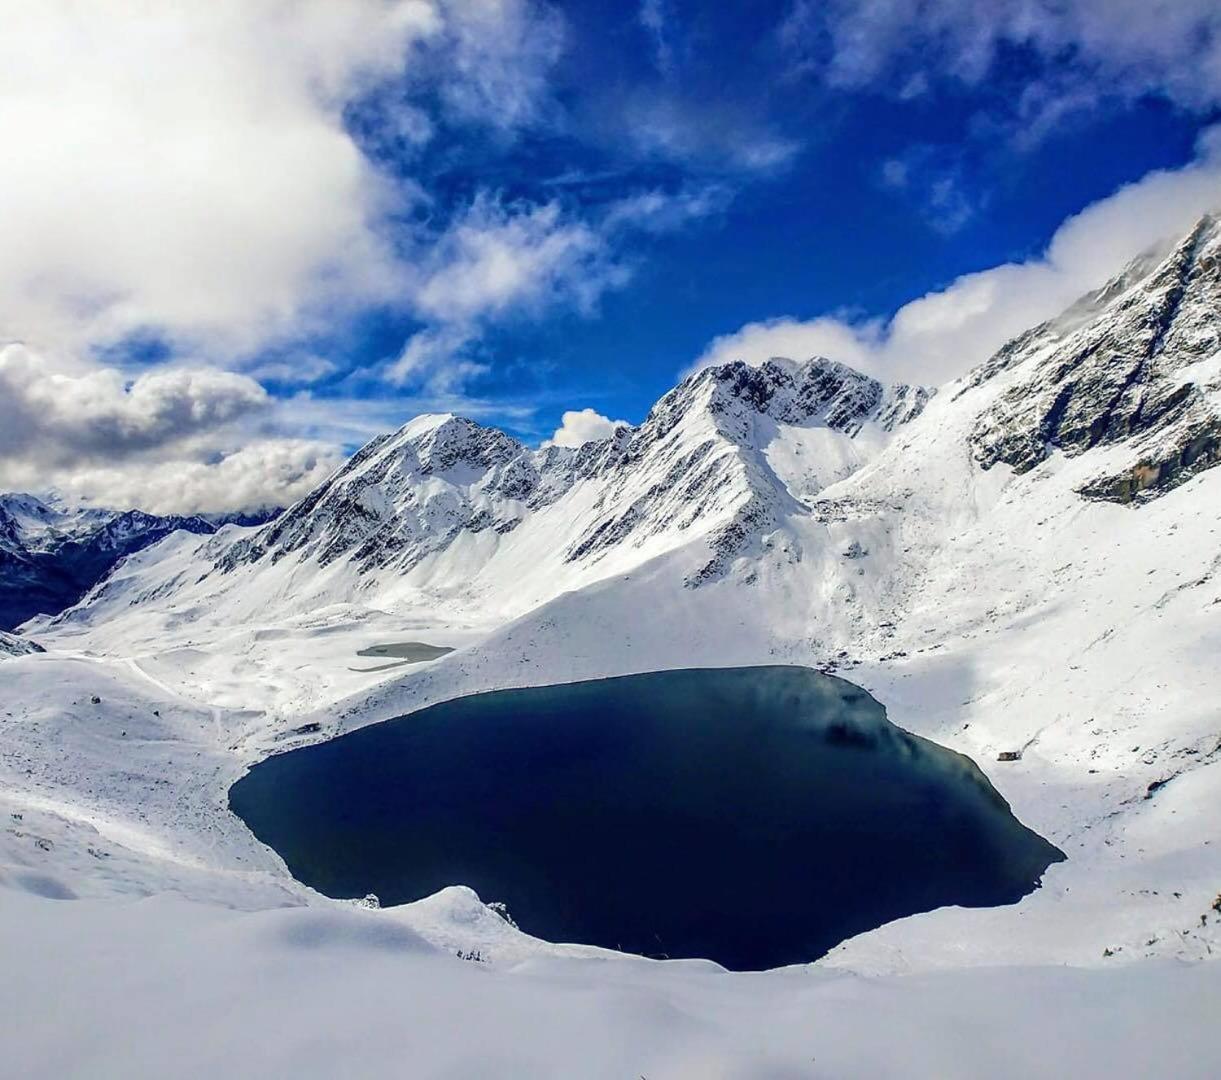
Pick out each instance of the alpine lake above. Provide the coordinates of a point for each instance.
(753, 816)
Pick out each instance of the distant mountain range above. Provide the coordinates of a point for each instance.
(51, 556)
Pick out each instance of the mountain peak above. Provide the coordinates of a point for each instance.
(423, 424)
(1132, 367)
(817, 391)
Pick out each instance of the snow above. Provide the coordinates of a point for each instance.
(342, 992)
(989, 609)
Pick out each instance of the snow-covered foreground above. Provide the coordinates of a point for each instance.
(945, 558)
(166, 987)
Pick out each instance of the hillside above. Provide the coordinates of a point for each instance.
(51, 555)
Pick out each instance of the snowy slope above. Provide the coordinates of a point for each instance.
(1030, 560)
(51, 554)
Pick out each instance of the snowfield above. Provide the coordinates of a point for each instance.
(1026, 562)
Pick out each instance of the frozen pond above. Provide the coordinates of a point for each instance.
(409, 651)
(402, 652)
(753, 816)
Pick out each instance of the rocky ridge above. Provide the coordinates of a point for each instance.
(696, 462)
(1133, 365)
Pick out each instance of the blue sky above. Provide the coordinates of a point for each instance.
(871, 200)
(247, 240)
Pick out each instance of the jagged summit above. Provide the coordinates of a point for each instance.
(1134, 366)
(698, 461)
(814, 391)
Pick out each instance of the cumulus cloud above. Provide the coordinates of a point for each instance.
(258, 475)
(579, 426)
(943, 334)
(187, 167)
(62, 418)
(172, 440)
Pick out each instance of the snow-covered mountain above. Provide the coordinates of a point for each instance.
(832, 498)
(1135, 367)
(446, 511)
(51, 555)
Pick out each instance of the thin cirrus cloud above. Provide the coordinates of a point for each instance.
(495, 262)
(1090, 51)
(943, 334)
(931, 179)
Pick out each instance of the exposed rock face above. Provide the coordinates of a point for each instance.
(12, 645)
(1134, 365)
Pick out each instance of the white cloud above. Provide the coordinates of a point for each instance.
(62, 417)
(497, 58)
(294, 370)
(186, 167)
(672, 128)
(945, 333)
(172, 440)
(435, 360)
(659, 211)
(495, 258)
(579, 426)
(262, 473)
(495, 262)
(654, 18)
(1123, 48)
(932, 178)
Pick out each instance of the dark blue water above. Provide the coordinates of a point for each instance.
(754, 816)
